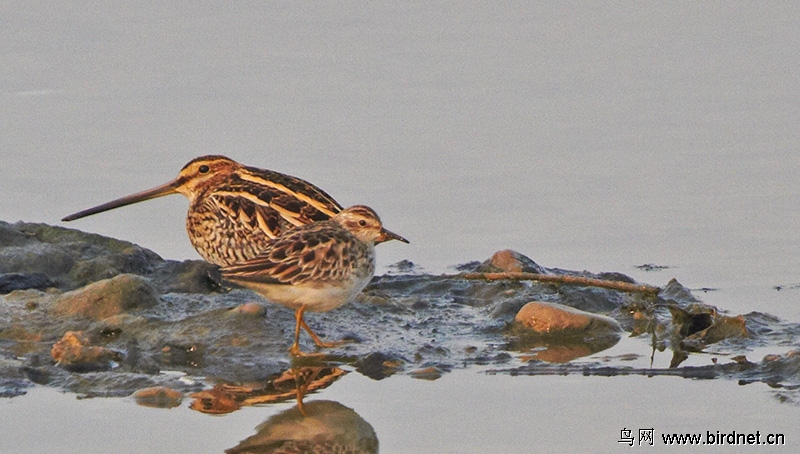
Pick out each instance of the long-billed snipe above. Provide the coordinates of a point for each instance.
(235, 210)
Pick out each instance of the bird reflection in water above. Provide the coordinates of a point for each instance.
(323, 427)
(293, 383)
(320, 426)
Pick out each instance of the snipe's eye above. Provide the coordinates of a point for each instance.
(203, 169)
(362, 223)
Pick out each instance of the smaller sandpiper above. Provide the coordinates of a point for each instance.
(316, 267)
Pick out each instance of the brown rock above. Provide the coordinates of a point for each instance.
(158, 397)
(720, 327)
(74, 351)
(108, 297)
(553, 318)
(511, 262)
(250, 309)
(427, 373)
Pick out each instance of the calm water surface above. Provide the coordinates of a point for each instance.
(465, 411)
(586, 136)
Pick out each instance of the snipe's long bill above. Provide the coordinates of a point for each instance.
(235, 210)
(159, 191)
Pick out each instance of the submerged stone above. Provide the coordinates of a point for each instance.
(108, 297)
(158, 397)
(378, 365)
(427, 373)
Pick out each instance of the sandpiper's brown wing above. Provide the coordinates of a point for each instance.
(320, 252)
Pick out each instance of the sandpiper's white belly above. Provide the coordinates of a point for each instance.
(317, 298)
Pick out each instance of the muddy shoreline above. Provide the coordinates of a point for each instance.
(151, 322)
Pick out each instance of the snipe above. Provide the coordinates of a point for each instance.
(235, 210)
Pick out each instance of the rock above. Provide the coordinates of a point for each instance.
(108, 297)
(556, 333)
(51, 260)
(553, 318)
(11, 236)
(403, 267)
(591, 299)
(253, 309)
(691, 319)
(190, 276)
(676, 292)
(427, 373)
(615, 276)
(190, 355)
(510, 262)
(75, 352)
(158, 397)
(69, 258)
(783, 367)
(719, 328)
(23, 281)
(378, 365)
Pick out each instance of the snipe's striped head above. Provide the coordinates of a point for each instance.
(234, 210)
(201, 174)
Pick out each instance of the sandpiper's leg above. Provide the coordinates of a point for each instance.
(301, 323)
(320, 343)
(298, 316)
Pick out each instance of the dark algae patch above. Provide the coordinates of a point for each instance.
(102, 317)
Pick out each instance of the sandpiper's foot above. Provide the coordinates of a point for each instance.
(332, 344)
(321, 343)
(295, 351)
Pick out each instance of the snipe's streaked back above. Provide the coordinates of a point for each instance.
(235, 210)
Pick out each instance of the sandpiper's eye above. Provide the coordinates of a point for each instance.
(362, 223)
(203, 169)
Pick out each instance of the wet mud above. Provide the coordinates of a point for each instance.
(97, 316)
